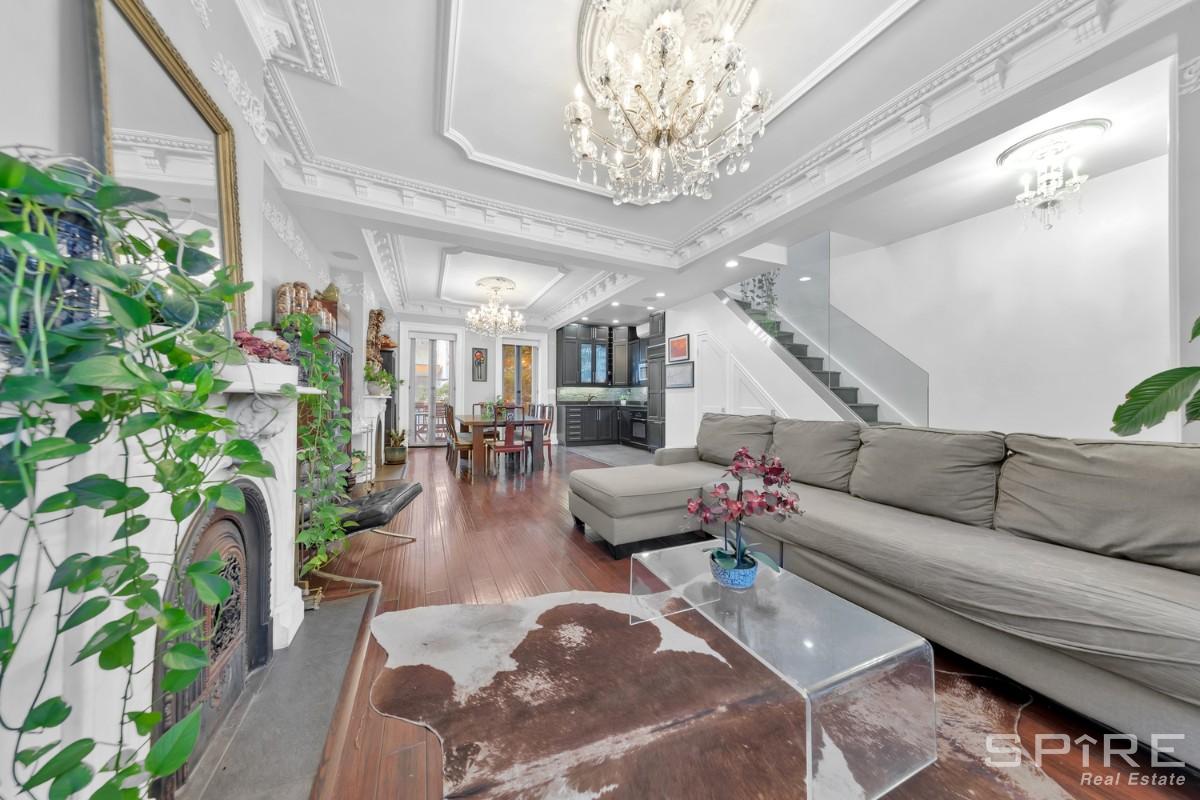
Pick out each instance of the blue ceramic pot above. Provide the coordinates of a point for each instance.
(737, 578)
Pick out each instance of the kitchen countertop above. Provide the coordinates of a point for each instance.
(601, 404)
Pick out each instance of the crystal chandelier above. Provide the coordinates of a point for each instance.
(494, 320)
(1045, 157)
(666, 106)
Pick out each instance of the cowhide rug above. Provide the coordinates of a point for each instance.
(558, 696)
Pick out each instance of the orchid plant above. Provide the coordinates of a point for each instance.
(732, 508)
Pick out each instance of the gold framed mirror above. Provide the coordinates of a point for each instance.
(163, 132)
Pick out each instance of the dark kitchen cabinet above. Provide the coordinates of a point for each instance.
(584, 355)
(587, 424)
(658, 324)
(620, 364)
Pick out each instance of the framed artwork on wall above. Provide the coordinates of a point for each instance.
(679, 347)
(680, 376)
(479, 364)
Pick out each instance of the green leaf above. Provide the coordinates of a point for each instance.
(106, 371)
(173, 748)
(109, 634)
(724, 561)
(1192, 410)
(763, 558)
(134, 524)
(86, 610)
(242, 450)
(189, 259)
(12, 171)
(185, 655)
(6, 562)
(211, 589)
(31, 755)
(51, 448)
(115, 789)
(1196, 329)
(68, 571)
(257, 469)
(1148, 403)
(47, 714)
(230, 498)
(112, 196)
(144, 721)
(12, 488)
(139, 423)
(174, 621)
(98, 273)
(98, 491)
(87, 429)
(57, 502)
(208, 566)
(129, 312)
(28, 389)
(117, 655)
(133, 498)
(184, 504)
(70, 782)
(63, 761)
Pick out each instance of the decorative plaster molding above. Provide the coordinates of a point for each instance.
(253, 110)
(595, 292)
(1089, 21)
(596, 28)
(1041, 36)
(134, 139)
(561, 272)
(387, 254)
(291, 34)
(285, 228)
(202, 10)
(1189, 76)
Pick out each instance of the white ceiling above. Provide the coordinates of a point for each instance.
(970, 183)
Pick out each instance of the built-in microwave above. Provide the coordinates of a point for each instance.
(640, 377)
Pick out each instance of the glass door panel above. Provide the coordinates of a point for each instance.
(518, 373)
(585, 363)
(601, 359)
(432, 380)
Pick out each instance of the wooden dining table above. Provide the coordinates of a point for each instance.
(475, 425)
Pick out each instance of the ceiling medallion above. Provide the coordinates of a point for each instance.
(494, 320)
(1044, 158)
(665, 100)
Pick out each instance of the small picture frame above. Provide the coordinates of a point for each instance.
(679, 348)
(479, 364)
(680, 376)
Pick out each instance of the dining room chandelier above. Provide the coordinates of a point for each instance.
(494, 319)
(1044, 159)
(667, 105)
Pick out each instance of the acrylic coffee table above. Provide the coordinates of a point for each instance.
(870, 717)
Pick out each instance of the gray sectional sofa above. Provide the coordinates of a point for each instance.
(1071, 566)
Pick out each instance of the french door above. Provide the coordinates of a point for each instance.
(519, 376)
(431, 377)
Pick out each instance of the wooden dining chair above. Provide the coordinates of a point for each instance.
(510, 443)
(545, 412)
(458, 445)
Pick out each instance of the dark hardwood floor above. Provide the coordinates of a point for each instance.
(501, 539)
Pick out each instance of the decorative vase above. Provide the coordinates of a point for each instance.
(395, 455)
(377, 389)
(738, 578)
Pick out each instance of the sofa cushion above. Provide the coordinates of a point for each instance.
(949, 474)
(1135, 500)
(817, 452)
(638, 489)
(721, 435)
(1136, 620)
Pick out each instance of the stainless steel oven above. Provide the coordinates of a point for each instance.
(637, 426)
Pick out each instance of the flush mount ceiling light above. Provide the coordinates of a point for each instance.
(660, 294)
(493, 319)
(616, 322)
(615, 303)
(1043, 159)
(805, 278)
(663, 88)
(583, 319)
(731, 263)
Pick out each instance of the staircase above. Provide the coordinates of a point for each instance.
(867, 412)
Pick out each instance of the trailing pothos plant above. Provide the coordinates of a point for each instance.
(1148, 403)
(324, 431)
(136, 374)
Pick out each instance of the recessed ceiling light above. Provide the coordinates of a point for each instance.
(805, 278)
(649, 308)
(616, 322)
(660, 294)
(615, 303)
(731, 263)
(583, 318)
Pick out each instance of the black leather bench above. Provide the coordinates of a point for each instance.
(378, 508)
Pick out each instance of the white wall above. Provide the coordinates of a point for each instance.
(1028, 330)
(736, 373)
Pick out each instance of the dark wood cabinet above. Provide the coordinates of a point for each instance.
(658, 324)
(587, 424)
(620, 364)
(585, 356)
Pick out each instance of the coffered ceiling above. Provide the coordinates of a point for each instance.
(442, 121)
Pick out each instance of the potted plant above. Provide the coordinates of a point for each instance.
(396, 452)
(379, 380)
(735, 564)
(358, 460)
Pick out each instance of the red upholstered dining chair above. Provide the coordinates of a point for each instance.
(510, 443)
(545, 412)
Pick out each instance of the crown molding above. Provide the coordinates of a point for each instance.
(446, 252)
(594, 292)
(285, 228)
(387, 255)
(292, 35)
(1041, 42)
(203, 11)
(251, 106)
